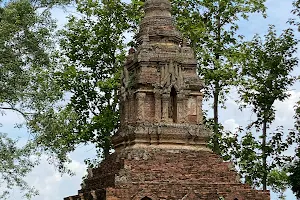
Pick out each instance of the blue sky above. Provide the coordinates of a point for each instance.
(54, 187)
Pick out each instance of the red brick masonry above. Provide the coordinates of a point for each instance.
(158, 174)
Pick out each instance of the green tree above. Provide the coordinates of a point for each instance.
(246, 153)
(266, 68)
(296, 12)
(93, 47)
(211, 26)
(16, 163)
(294, 169)
(27, 83)
(294, 178)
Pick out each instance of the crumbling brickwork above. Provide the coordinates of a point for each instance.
(166, 174)
(161, 146)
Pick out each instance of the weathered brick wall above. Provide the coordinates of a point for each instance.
(149, 107)
(167, 175)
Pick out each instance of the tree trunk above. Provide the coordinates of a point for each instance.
(216, 94)
(106, 147)
(216, 148)
(106, 152)
(264, 155)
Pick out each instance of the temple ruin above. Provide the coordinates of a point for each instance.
(161, 147)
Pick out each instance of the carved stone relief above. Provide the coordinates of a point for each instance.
(171, 75)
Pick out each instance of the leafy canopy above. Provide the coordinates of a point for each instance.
(266, 76)
(211, 26)
(93, 47)
(27, 83)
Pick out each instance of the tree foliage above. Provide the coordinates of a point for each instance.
(15, 165)
(294, 178)
(266, 72)
(244, 149)
(294, 168)
(296, 13)
(27, 83)
(211, 26)
(93, 48)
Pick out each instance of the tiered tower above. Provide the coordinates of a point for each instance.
(161, 151)
(161, 102)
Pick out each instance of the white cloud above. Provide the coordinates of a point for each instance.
(77, 167)
(49, 182)
(230, 125)
(61, 15)
(11, 118)
(285, 110)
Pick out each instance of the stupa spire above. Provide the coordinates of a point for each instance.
(157, 23)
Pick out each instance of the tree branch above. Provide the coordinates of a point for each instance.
(25, 115)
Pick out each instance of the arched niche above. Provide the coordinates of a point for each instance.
(173, 105)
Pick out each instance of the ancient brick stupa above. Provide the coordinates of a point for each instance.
(160, 148)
